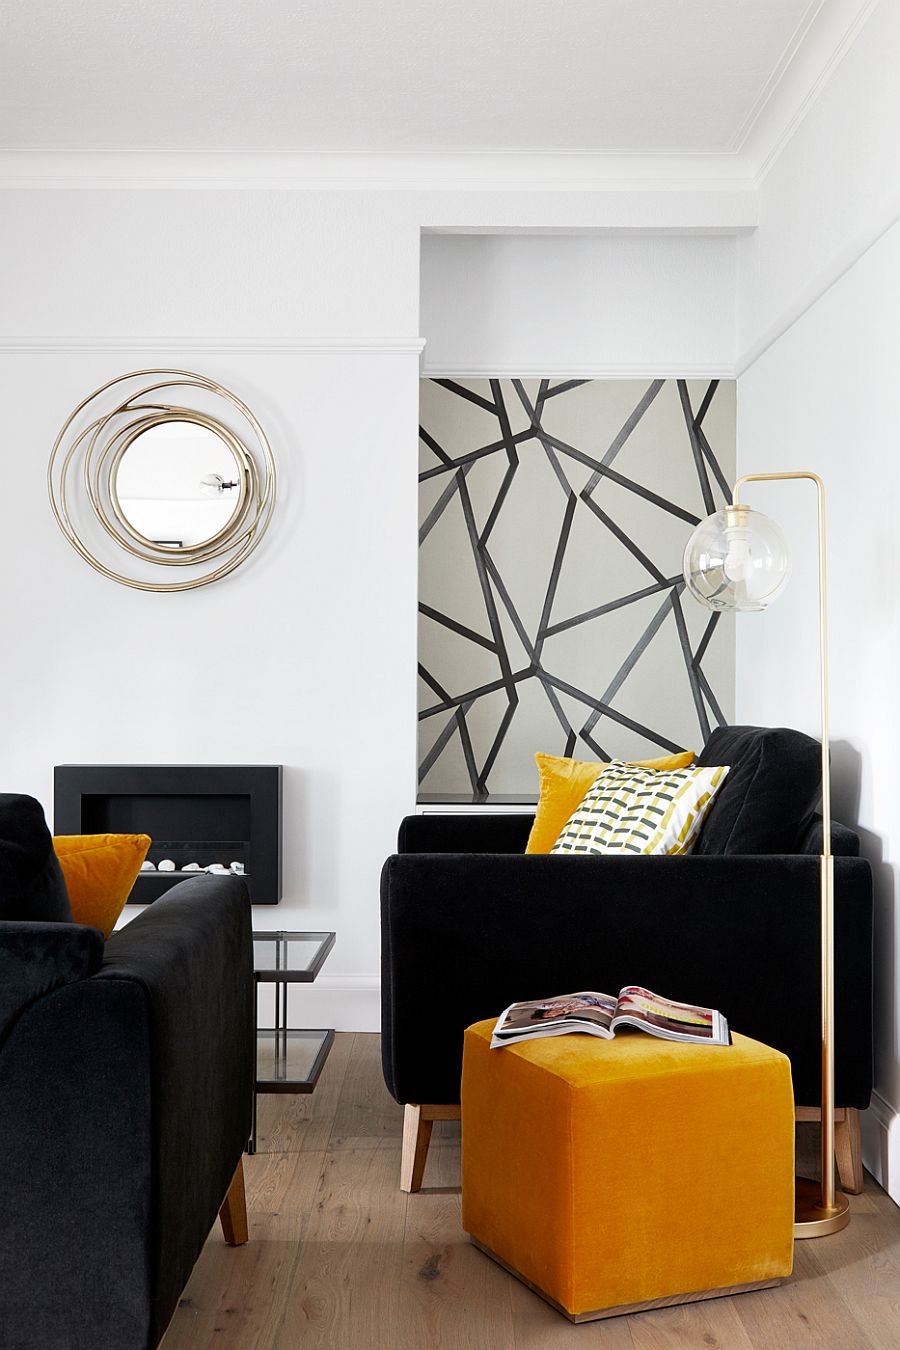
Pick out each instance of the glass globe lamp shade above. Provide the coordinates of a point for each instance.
(736, 559)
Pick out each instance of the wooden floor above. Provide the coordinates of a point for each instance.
(339, 1257)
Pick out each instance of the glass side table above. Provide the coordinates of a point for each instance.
(288, 1059)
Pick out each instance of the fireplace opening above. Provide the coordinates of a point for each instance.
(198, 817)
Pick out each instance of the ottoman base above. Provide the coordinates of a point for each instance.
(597, 1314)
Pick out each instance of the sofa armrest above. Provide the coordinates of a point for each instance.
(844, 841)
(463, 936)
(36, 958)
(480, 832)
(75, 1114)
(191, 953)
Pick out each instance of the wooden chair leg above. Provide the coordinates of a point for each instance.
(847, 1144)
(416, 1138)
(417, 1126)
(233, 1211)
(848, 1151)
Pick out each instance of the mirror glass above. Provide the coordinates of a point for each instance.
(178, 484)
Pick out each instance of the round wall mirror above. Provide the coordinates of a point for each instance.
(177, 484)
(169, 468)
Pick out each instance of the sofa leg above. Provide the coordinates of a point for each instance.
(848, 1151)
(417, 1125)
(416, 1138)
(233, 1211)
(847, 1144)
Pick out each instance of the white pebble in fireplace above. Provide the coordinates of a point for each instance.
(167, 865)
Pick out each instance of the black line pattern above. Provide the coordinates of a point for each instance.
(706, 485)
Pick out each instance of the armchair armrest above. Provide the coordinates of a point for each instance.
(136, 1085)
(38, 957)
(463, 936)
(191, 953)
(480, 832)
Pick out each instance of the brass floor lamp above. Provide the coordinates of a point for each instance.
(737, 560)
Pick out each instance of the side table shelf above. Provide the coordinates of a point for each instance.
(288, 1059)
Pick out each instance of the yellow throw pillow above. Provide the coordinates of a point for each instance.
(100, 870)
(563, 784)
(632, 810)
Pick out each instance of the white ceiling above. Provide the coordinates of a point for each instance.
(638, 76)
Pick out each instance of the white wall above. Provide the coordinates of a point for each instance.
(305, 299)
(306, 303)
(817, 295)
(598, 305)
(306, 655)
(831, 191)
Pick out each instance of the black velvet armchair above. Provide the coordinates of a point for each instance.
(125, 1095)
(470, 923)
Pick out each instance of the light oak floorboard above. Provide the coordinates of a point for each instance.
(366, 1116)
(346, 1283)
(449, 1295)
(340, 1259)
(288, 1122)
(234, 1294)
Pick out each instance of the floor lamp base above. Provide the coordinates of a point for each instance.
(811, 1220)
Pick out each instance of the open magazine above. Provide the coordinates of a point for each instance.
(603, 1014)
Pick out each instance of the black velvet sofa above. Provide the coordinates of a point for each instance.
(470, 924)
(126, 1073)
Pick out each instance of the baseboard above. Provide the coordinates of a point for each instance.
(345, 1002)
(881, 1144)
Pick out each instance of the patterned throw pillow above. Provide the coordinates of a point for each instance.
(563, 785)
(628, 809)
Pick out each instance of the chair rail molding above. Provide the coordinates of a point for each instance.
(705, 370)
(307, 345)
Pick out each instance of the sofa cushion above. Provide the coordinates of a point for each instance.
(100, 870)
(774, 784)
(32, 886)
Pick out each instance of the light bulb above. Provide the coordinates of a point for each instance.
(212, 485)
(738, 557)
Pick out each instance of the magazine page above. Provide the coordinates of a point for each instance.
(586, 1011)
(670, 1020)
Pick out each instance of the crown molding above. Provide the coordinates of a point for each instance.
(778, 77)
(516, 171)
(303, 346)
(825, 35)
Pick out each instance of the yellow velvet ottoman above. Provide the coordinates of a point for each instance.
(612, 1176)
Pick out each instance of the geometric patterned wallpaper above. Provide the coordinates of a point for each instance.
(552, 614)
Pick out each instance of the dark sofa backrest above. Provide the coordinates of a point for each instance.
(773, 786)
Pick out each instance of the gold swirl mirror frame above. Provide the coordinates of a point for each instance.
(134, 416)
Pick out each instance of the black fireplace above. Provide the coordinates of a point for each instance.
(194, 813)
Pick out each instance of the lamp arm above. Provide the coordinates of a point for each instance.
(823, 629)
(832, 1214)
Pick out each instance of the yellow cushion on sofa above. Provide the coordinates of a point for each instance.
(100, 870)
(564, 783)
